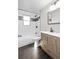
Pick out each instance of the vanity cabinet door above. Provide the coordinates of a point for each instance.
(44, 41)
(52, 48)
(58, 46)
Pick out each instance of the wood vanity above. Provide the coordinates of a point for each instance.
(50, 43)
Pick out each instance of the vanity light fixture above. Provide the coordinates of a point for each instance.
(54, 6)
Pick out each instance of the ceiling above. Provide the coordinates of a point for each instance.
(32, 5)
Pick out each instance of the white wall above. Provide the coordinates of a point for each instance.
(44, 23)
(27, 30)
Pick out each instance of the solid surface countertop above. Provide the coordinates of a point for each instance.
(51, 33)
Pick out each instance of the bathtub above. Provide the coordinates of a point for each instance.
(26, 39)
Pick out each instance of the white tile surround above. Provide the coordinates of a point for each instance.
(27, 32)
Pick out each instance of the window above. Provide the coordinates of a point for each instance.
(26, 20)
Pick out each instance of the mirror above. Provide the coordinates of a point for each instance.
(54, 17)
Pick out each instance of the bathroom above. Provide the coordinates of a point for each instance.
(38, 26)
(39, 29)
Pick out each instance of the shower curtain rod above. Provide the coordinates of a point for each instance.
(27, 11)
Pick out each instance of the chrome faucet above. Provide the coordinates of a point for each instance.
(51, 30)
